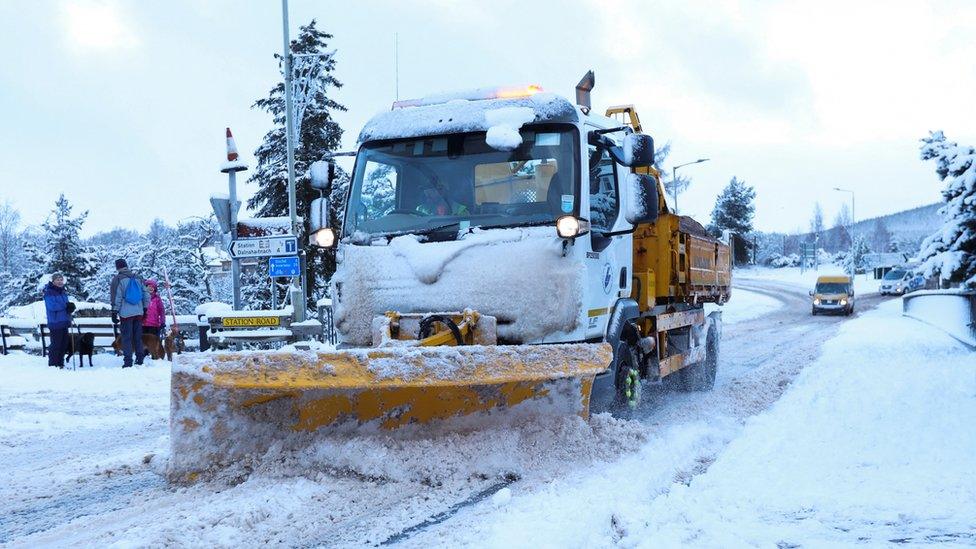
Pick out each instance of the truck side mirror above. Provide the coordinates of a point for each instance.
(638, 150)
(811, 293)
(642, 204)
(322, 173)
(318, 215)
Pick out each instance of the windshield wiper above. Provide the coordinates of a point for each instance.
(514, 225)
(422, 232)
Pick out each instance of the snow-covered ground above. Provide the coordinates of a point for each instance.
(872, 440)
(807, 278)
(745, 305)
(872, 444)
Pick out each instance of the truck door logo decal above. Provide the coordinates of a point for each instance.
(607, 275)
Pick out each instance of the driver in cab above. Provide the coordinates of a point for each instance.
(435, 201)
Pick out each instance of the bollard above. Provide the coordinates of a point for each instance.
(204, 340)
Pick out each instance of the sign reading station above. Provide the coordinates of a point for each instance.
(251, 321)
(264, 246)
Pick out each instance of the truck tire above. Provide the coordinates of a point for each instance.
(701, 376)
(627, 382)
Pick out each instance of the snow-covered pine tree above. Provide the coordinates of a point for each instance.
(855, 261)
(256, 287)
(318, 133)
(25, 287)
(734, 210)
(949, 253)
(66, 253)
(181, 253)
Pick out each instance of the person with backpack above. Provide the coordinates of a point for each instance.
(155, 319)
(129, 303)
(58, 310)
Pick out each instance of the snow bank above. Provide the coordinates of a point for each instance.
(950, 310)
(39, 400)
(873, 443)
(461, 116)
(534, 296)
(504, 124)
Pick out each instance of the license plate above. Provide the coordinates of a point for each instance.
(251, 321)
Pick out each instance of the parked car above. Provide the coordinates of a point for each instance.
(900, 282)
(833, 294)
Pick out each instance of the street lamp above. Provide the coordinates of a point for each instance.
(674, 179)
(853, 267)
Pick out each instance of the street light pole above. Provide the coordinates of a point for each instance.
(853, 267)
(297, 293)
(674, 179)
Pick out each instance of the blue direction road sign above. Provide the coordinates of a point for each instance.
(284, 266)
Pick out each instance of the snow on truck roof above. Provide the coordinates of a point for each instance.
(458, 115)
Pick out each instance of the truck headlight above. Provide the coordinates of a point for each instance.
(323, 238)
(816, 301)
(843, 302)
(568, 226)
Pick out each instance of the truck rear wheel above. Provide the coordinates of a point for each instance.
(701, 376)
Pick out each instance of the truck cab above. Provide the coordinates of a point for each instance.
(538, 213)
(833, 294)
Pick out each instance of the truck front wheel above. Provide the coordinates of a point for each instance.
(701, 376)
(627, 380)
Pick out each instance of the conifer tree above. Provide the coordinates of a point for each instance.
(734, 210)
(317, 134)
(64, 248)
(949, 253)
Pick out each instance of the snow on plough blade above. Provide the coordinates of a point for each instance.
(228, 405)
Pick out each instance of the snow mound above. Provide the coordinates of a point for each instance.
(533, 297)
(503, 133)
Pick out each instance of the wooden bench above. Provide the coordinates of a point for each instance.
(103, 328)
(10, 339)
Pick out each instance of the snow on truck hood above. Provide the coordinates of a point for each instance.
(461, 116)
(518, 276)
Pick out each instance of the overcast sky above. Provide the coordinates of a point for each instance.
(122, 105)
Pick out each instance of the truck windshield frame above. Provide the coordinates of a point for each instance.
(422, 184)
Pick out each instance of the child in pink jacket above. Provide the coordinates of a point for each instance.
(155, 317)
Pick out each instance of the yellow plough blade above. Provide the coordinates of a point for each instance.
(227, 405)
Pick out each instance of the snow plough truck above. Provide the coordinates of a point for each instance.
(505, 253)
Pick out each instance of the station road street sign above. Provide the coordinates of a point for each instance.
(284, 266)
(264, 246)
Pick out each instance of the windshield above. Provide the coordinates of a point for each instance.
(832, 288)
(894, 275)
(446, 182)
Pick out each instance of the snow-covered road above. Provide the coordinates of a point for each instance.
(84, 452)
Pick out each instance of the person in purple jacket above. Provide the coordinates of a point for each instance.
(58, 310)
